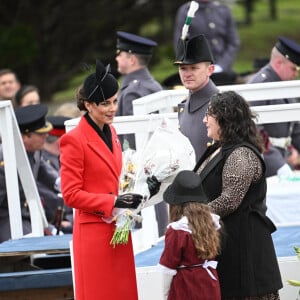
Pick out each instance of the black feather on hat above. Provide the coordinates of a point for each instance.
(100, 85)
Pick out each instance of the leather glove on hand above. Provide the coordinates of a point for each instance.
(153, 185)
(129, 200)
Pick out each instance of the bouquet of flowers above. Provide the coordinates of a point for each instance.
(166, 153)
(128, 173)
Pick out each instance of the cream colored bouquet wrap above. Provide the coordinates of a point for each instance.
(167, 152)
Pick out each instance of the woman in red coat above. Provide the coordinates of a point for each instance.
(91, 160)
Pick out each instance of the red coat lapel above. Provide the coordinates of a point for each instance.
(98, 146)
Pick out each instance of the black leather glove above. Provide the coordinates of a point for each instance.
(129, 200)
(153, 185)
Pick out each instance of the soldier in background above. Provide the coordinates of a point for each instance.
(133, 56)
(195, 63)
(9, 84)
(215, 21)
(50, 150)
(27, 95)
(284, 65)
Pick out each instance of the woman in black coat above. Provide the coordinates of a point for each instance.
(233, 176)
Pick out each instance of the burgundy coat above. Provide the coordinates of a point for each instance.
(89, 180)
(194, 281)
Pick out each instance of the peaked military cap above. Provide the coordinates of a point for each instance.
(290, 49)
(132, 43)
(32, 118)
(186, 187)
(58, 123)
(192, 51)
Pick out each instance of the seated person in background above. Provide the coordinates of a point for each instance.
(9, 84)
(50, 154)
(50, 150)
(27, 95)
(34, 129)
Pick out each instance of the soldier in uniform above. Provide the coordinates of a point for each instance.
(50, 154)
(215, 21)
(284, 65)
(133, 56)
(50, 150)
(34, 129)
(195, 62)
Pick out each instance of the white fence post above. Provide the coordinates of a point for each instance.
(15, 160)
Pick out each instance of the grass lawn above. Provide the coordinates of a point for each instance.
(258, 38)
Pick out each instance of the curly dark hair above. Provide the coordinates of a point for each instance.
(235, 118)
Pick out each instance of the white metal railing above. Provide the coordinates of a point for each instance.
(144, 124)
(165, 100)
(16, 162)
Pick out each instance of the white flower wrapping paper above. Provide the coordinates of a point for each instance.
(166, 153)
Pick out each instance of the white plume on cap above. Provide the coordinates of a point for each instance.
(190, 14)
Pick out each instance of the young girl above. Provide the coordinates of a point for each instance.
(192, 241)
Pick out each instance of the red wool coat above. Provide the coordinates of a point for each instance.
(89, 180)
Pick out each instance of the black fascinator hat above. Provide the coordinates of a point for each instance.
(100, 85)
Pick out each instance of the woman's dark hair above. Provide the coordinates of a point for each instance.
(235, 118)
(81, 97)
